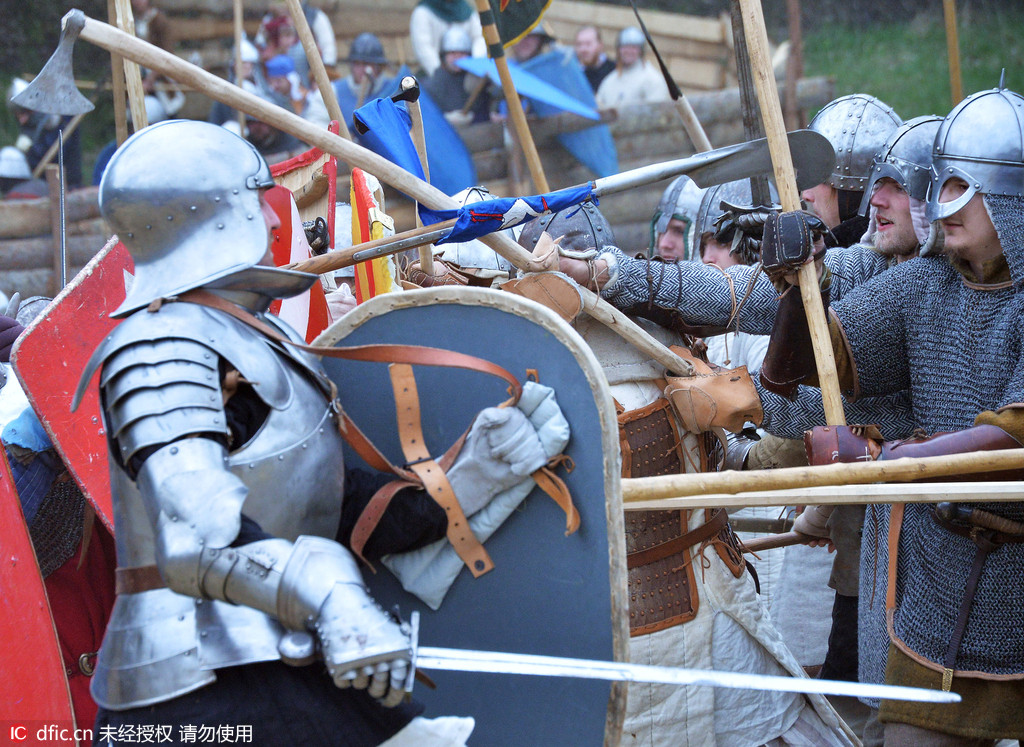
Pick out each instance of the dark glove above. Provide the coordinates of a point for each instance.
(10, 330)
(789, 242)
(741, 228)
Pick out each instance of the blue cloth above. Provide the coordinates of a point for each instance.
(27, 432)
(481, 218)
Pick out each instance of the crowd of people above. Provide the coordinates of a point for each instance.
(917, 237)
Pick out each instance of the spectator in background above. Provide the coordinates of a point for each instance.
(450, 87)
(366, 79)
(634, 80)
(16, 182)
(428, 23)
(590, 53)
(37, 132)
(285, 82)
(152, 25)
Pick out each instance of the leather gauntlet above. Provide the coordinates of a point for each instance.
(857, 443)
(789, 360)
(719, 398)
(788, 243)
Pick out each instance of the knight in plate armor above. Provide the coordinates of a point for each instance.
(228, 479)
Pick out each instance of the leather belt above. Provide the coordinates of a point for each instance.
(137, 580)
(718, 521)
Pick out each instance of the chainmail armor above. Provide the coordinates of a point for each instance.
(702, 293)
(57, 528)
(958, 348)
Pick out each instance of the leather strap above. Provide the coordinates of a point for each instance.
(556, 488)
(432, 477)
(371, 516)
(137, 580)
(718, 521)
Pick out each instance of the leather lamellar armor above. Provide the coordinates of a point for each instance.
(163, 378)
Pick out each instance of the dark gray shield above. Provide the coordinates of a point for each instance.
(548, 593)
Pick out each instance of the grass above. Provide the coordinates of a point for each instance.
(905, 65)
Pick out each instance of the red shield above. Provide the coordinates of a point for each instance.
(33, 686)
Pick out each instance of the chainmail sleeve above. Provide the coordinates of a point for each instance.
(740, 297)
(789, 419)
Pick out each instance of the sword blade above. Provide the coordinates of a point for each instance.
(458, 660)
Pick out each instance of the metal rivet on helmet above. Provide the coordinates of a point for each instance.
(855, 142)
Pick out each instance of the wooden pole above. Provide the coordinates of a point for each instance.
(785, 181)
(419, 140)
(118, 84)
(132, 73)
(837, 495)
(238, 17)
(111, 39)
(789, 478)
(953, 51)
(783, 539)
(515, 107)
(317, 67)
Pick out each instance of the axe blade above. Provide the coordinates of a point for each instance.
(53, 90)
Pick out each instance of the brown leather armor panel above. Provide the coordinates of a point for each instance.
(663, 591)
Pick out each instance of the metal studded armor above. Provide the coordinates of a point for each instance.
(857, 126)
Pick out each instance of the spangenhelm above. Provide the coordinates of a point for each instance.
(367, 48)
(906, 158)
(455, 39)
(476, 253)
(680, 200)
(982, 142)
(630, 36)
(857, 126)
(184, 198)
(735, 193)
(581, 227)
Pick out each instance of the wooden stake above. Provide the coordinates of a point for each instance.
(953, 51)
(785, 181)
(117, 83)
(316, 66)
(419, 140)
(111, 39)
(515, 106)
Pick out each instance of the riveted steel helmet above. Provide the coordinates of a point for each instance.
(982, 142)
(630, 36)
(857, 126)
(184, 198)
(680, 200)
(17, 86)
(367, 48)
(456, 39)
(736, 194)
(582, 227)
(906, 158)
(476, 253)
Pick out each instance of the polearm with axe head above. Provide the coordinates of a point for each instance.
(706, 169)
(157, 59)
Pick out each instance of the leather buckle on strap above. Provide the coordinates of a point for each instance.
(137, 580)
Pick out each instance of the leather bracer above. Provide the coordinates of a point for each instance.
(789, 360)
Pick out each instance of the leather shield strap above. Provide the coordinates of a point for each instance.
(718, 521)
(410, 433)
(137, 580)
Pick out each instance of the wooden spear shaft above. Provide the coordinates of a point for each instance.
(317, 67)
(515, 107)
(953, 50)
(788, 478)
(785, 180)
(112, 39)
